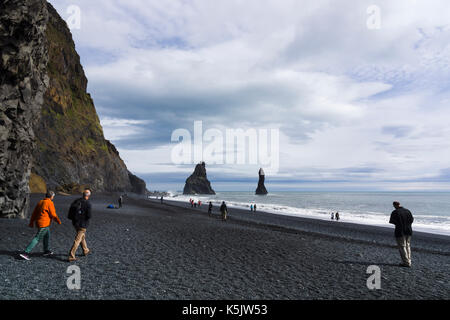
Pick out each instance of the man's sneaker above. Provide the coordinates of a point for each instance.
(48, 253)
(25, 256)
(86, 253)
(405, 265)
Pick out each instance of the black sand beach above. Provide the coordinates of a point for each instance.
(148, 250)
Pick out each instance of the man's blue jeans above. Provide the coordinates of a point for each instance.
(42, 234)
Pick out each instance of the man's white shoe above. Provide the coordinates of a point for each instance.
(25, 256)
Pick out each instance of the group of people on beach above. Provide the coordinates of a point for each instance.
(335, 216)
(195, 203)
(400, 217)
(80, 213)
(223, 208)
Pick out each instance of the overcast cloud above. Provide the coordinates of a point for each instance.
(357, 109)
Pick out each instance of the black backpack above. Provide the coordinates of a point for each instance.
(75, 209)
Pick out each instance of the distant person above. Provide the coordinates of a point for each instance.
(224, 211)
(199, 203)
(251, 208)
(337, 216)
(80, 213)
(120, 201)
(402, 219)
(42, 217)
(162, 199)
(195, 204)
(210, 208)
(332, 216)
(192, 203)
(254, 208)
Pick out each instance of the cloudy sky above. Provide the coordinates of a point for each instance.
(360, 96)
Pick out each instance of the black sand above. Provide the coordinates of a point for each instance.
(148, 250)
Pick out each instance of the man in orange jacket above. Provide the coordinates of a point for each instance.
(42, 217)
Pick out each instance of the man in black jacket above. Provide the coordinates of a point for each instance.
(403, 219)
(224, 211)
(80, 213)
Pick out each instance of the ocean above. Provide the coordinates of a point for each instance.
(431, 210)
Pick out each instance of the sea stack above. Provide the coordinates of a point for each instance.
(198, 183)
(261, 190)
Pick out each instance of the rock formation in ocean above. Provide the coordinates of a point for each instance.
(23, 82)
(49, 127)
(198, 183)
(261, 189)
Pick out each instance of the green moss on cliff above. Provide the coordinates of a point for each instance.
(72, 151)
(70, 110)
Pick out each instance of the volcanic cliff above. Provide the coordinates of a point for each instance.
(49, 127)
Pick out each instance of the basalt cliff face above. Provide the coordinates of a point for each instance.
(49, 127)
(198, 182)
(23, 82)
(72, 152)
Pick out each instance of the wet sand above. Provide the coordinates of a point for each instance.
(149, 250)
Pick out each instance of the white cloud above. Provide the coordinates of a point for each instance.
(119, 128)
(338, 91)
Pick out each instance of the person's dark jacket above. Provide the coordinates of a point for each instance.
(223, 207)
(402, 219)
(82, 220)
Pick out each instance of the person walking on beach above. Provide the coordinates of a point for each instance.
(337, 216)
(254, 207)
(42, 217)
(120, 202)
(210, 206)
(224, 211)
(80, 213)
(332, 216)
(162, 199)
(402, 219)
(251, 208)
